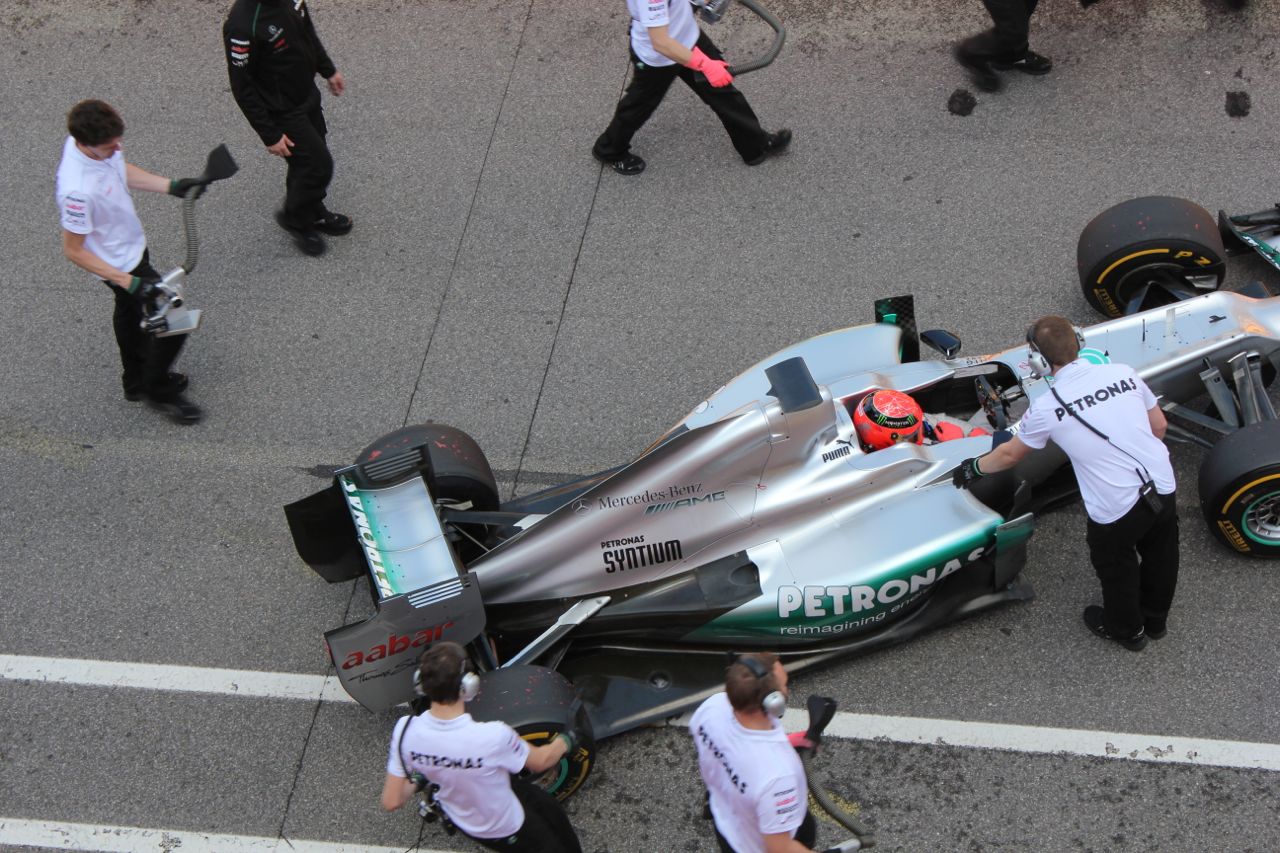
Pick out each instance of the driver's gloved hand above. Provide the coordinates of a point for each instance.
(967, 474)
(179, 186)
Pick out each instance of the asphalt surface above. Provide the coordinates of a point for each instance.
(499, 280)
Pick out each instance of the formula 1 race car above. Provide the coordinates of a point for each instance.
(760, 520)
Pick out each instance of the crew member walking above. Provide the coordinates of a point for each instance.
(101, 233)
(1105, 418)
(1004, 46)
(755, 781)
(273, 57)
(472, 763)
(667, 43)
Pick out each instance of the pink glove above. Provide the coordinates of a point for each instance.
(715, 70)
(799, 741)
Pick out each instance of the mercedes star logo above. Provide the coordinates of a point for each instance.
(581, 506)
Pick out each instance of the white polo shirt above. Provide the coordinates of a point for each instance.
(1115, 401)
(93, 200)
(471, 762)
(755, 778)
(677, 15)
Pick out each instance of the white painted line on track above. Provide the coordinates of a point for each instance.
(1161, 749)
(184, 679)
(127, 839)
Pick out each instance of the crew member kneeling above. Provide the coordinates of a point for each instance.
(472, 763)
(755, 781)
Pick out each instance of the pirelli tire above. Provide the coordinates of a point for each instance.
(460, 472)
(1126, 246)
(1240, 490)
(540, 703)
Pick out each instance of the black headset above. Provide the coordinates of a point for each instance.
(774, 703)
(468, 681)
(1040, 366)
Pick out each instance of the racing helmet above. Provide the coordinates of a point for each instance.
(885, 417)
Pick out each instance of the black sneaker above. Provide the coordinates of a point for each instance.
(1156, 628)
(306, 239)
(627, 164)
(179, 409)
(1029, 63)
(177, 383)
(1093, 618)
(333, 224)
(774, 144)
(980, 70)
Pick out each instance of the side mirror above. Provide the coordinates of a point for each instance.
(942, 341)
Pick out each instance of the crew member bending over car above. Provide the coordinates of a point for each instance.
(1105, 418)
(755, 782)
(472, 764)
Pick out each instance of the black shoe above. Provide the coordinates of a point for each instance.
(1093, 618)
(179, 409)
(1156, 628)
(627, 164)
(1029, 63)
(306, 239)
(333, 224)
(774, 144)
(980, 70)
(176, 384)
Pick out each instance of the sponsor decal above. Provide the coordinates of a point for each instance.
(641, 555)
(1233, 536)
(714, 497)
(813, 602)
(396, 644)
(1094, 356)
(71, 206)
(718, 754)
(273, 31)
(786, 801)
(447, 761)
(1102, 395)
(626, 540)
(838, 453)
(367, 540)
(649, 496)
(581, 507)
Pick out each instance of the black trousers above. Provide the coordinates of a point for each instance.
(649, 86)
(807, 834)
(310, 165)
(1008, 39)
(145, 358)
(546, 827)
(1136, 559)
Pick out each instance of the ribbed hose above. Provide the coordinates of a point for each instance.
(839, 815)
(189, 229)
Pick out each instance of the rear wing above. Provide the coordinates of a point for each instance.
(380, 517)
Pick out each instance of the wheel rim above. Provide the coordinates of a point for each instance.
(1150, 284)
(1262, 519)
(553, 778)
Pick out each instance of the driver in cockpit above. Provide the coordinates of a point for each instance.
(885, 417)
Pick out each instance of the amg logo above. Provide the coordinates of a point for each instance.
(640, 556)
(840, 451)
(683, 502)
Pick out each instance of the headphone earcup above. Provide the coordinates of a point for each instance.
(417, 683)
(1079, 337)
(775, 704)
(469, 686)
(1039, 365)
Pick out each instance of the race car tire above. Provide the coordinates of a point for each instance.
(1240, 490)
(1122, 247)
(539, 703)
(460, 472)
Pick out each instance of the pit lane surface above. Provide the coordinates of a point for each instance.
(499, 281)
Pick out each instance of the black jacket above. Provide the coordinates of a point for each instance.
(273, 56)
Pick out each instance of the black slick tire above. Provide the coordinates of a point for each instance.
(1240, 490)
(1126, 247)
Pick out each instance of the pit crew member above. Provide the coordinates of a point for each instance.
(472, 764)
(101, 234)
(666, 43)
(755, 782)
(273, 57)
(1105, 418)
